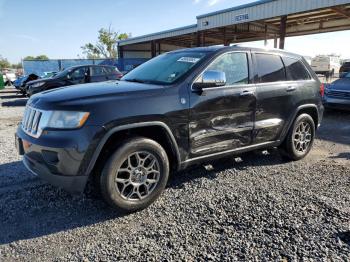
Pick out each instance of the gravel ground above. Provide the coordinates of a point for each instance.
(255, 208)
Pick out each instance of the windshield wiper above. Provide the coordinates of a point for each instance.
(135, 80)
(152, 82)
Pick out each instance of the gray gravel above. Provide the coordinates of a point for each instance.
(257, 208)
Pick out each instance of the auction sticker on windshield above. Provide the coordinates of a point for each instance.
(189, 59)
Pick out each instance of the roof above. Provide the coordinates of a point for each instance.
(161, 34)
(260, 2)
(237, 48)
(249, 13)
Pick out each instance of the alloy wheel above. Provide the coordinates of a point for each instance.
(302, 137)
(138, 176)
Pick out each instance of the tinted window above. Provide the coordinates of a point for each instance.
(235, 66)
(96, 71)
(111, 70)
(270, 68)
(79, 73)
(295, 69)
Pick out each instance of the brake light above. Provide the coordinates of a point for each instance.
(118, 74)
(322, 90)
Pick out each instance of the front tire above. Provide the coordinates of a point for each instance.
(300, 138)
(135, 175)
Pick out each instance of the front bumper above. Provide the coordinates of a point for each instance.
(58, 157)
(69, 183)
(336, 103)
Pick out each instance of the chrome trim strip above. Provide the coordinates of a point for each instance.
(34, 121)
(227, 152)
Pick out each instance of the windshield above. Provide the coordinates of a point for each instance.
(166, 68)
(62, 73)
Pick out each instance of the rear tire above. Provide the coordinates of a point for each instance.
(135, 175)
(300, 138)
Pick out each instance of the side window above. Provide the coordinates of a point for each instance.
(78, 74)
(96, 71)
(270, 68)
(108, 70)
(295, 69)
(235, 66)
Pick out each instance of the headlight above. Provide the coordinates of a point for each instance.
(67, 119)
(37, 84)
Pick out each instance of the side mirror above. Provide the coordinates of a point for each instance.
(69, 76)
(210, 78)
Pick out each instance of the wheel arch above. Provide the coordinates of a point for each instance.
(156, 130)
(310, 109)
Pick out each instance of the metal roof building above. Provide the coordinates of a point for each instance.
(261, 20)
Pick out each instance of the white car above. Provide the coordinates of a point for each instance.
(9, 76)
(326, 65)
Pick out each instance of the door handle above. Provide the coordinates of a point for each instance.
(246, 93)
(291, 88)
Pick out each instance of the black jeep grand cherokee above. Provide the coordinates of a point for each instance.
(180, 108)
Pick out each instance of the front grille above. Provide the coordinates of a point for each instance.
(31, 120)
(339, 94)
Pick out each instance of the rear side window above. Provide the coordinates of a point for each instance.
(111, 70)
(270, 68)
(97, 71)
(295, 69)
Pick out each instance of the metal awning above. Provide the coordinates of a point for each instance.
(261, 20)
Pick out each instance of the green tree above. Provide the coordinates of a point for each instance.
(4, 63)
(39, 57)
(17, 66)
(106, 46)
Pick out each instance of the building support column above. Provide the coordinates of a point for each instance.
(226, 41)
(199, 39)
(265, 40)
(275, 41)
(283, 28)
(153, 49)
(159, 47)
(120, 52)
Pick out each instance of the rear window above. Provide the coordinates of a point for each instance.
(96, 71)
(111, 70)
(270, 68)
(295, 69)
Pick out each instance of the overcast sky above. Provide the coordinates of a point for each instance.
(59, 28)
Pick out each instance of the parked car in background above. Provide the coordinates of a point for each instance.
(48, 74)
(178, 109)
(21, 82)
(73, 76)
(344, 69)
(326, 65)
(337, 94)
(9, 78)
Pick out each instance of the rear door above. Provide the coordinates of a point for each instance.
(222, 118)
(276, 97)
(97, 74)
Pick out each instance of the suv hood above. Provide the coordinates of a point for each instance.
(87, 94)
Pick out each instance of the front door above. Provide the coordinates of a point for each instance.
(222, 118)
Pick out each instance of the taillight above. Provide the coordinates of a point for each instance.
(118, 74)
(322, 90)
